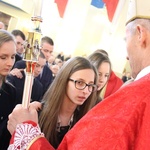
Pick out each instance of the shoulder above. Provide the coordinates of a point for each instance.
(9, 85)
(47, 70)
(18, 57)
(8, 88)
(21, 64)
(37, 83)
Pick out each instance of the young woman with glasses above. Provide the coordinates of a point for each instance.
(70, 96)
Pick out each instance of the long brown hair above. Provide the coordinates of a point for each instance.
(54, 97)
(97, 58)
(5, 36)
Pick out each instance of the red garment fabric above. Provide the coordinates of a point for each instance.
(29, 122)
(120, 122)
(39, 144)
(114, 83)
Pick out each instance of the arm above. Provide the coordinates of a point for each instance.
(17, 72)
(29, 136)
(26, 135)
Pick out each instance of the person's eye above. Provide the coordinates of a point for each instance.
(37, 65)
(80, 82)
(46, 51)
(2, 57)
(107, 76)
(100, 74)
(13, 57)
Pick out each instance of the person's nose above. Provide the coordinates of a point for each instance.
(101, 79)
(39, 69)
(10, 62)
(86, 89)
(48, 55)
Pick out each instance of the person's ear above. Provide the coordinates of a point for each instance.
(141, 35)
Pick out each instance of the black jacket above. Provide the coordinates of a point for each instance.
(45, 78)
(7, 104)
(37, 88)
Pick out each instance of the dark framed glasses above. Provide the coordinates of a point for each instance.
(80, 85)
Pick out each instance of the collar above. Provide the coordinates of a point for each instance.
(143, 72)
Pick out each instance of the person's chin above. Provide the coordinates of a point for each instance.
(80, 102)
(36, 75)
(99, 88)
(5, 73)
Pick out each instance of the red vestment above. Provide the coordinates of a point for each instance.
(120, 122)
(114, 83)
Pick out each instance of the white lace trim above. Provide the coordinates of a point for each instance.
(24, 134)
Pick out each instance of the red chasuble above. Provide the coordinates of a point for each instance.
(114, 83)
(121, 122)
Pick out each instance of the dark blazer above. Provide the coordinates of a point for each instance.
(37, 88)
(21, 64)
(7, 104)
(17, 58)
(45, 77)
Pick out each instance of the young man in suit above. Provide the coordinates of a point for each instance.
(20, 43)
(18, 83)
(45, 77)
(47, 47)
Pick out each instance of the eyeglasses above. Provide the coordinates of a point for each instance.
(80, 85)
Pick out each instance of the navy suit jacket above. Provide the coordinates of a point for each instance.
(45, 78)
(7, 104)
(37, 88)
(17, 58)
(21, 64)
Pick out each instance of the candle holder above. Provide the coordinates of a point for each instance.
(31, 57)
